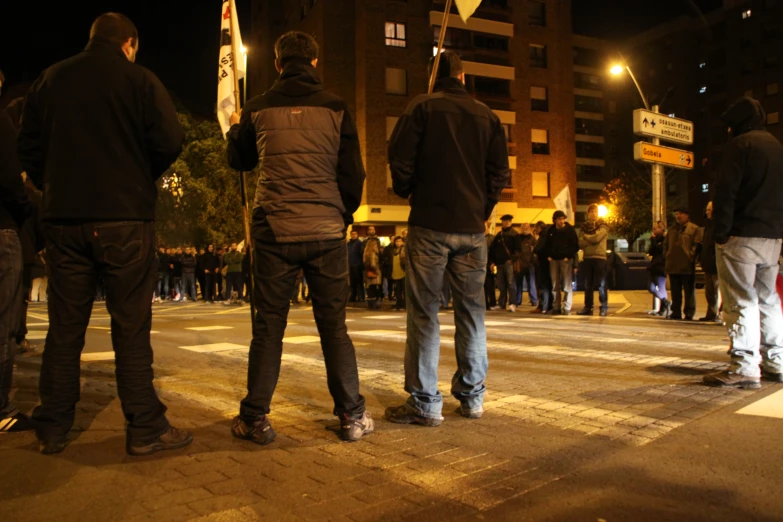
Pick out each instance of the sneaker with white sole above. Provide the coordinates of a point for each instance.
(354, 428)
(512, 308)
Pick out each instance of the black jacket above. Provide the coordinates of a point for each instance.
(656, 251)
(163, 263)
(707, 254)
(189, 263)
(448, 152)
(311, 175)
(175, 261)
(527, 246)
(210, 261)
(355, 252)
(505, 247)
(562, 243)
(97, 132)
(14, 205)
(748, 198)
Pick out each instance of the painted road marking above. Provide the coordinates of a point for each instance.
(500, 323)
(447, 327)
(208, 328)
(769, 406)
(383, 316)
(178, 307)
(302, 339)
(97, 356)
(37, 324)
(215, 347)
(100, 327)
(35, 335)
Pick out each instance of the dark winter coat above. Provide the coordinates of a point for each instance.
(680, 247)
(506, 246)
(355, 252)
(189, 263)
(14, 204)
(561, 243)
(707, 256)
(656, 251)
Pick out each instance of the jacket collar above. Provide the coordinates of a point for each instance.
(450, 85)
(298, 78)
(103, 46)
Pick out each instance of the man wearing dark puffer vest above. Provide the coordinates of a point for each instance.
(310, 184)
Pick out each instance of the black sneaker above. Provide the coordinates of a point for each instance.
(771, 376)
(728, 379)
(53, 446)
(353, 429)
(171, 439)
(604, 313)
(260, 431)
(402, 415)
(16, 423)
(585, 311)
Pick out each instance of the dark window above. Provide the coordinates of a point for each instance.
(539, 99)
(770, 62)
(588, 104)
(590, 173)
(538, 56)
(455, 38)
(589, 127)
(395, 34)
(490, 86)
(488, 41)
(586, 57)
(587, 196)
(587, 81)
(537, 12)
(589, 150)
(770, 32)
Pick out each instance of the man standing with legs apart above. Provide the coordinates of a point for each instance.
(680, 248)
(592, 240)
(448, 154)
(309, 186)
(748, 219)
(562, 246)
(505, 249)
(98, 131)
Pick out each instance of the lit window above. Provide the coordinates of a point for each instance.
(702, 65)
(541, 184)
(702, 89)
(539, 99)
(396, 81)
(540, 138)
(391, 122)
(746, 14)
(395, 34)
(773, 117)
(705, 187)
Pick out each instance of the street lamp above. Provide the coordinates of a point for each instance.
(658, 204)
(603, 211)
(244, 78)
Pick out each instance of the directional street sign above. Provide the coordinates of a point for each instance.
(647, 123)
(647, 152)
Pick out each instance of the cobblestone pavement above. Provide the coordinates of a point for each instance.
(563, 392)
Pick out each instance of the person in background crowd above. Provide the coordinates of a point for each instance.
(356, 267)
(748, 219)
(710, 267)
(544, 277)
(448, 156)
(680, 246)
(219, 276)
(100, 290)
(31, 237)
(14, 211)
(98, 131)
(527, 267)
(163, 276)
(658, 268)
(372, 273)
(505, 249)
(40, 281)
(398, 272)
(387, 264)
(310, 185)
(592, 241)
(188, 262)
(404, 235)
(176, 273)
(210, 264)
(489, 282)
(372, 237)
(200, 273)
(234, 280)
(562, 247)
(246, 279)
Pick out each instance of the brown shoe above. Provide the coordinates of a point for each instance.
(729, 379)
(170, 439)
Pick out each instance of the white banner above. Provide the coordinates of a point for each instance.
(563, 202)
(229, 27)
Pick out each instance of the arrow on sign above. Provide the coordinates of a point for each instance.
(645, 122)
(653, 124)
(688, 160)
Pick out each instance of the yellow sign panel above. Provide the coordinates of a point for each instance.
(647, 152)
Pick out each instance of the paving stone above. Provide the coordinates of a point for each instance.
(175, 498)
(224, 502)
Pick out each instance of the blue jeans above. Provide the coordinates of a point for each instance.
(189, 286)
(595, 275)
(431, 256)
(10, 299)
(527, 274)
(748, 269)
(162, 289)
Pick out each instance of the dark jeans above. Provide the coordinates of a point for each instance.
(208, 290)
(433, 255)
(27, 285)
(489, 290)
(527, 274)
(189, 286)
(594, 271)
(235, 281)
(123, 253)
(683, 283)
(357, 283)
(399, 291)
(162, 290)
(325, 265)
(544, 285)
(219, 282)
(176, 286)
(10, 289)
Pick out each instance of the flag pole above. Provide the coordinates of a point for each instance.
(441, 39)
(242, 174)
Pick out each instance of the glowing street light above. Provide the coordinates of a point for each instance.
(603, 211)
(617, 69)
(243, 49)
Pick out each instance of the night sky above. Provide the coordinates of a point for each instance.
(179, 38)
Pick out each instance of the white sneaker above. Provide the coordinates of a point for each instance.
(512, 308)
(495, 308)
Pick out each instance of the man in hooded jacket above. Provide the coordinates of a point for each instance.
(748, 219)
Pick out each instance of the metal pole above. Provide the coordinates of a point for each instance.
(243, 175)
(644, 98)
(244, 80)
(657, 175)
(441, 39)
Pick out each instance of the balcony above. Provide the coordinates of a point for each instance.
(479, 23)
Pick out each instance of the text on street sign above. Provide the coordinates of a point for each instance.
(647, 123)
(649, 153)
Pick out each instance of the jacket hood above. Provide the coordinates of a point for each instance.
(744, 115)
(297, 79)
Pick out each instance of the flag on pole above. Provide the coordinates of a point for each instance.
(563, 202)
(229, 28)
(466, 8)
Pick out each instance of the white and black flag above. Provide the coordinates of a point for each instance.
(229, 27)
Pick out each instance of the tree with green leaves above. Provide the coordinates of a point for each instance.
(199, 196)
(629, 200)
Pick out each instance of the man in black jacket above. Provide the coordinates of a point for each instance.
(527, 268)
(748, 217)
(710, 267)
(448, 155)
(211, 266)
(97, 132)
(164, 275)
(562, 246)
(189, 265)
(543, 275)
(310, 184)
(14, 210)
(505, 249)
